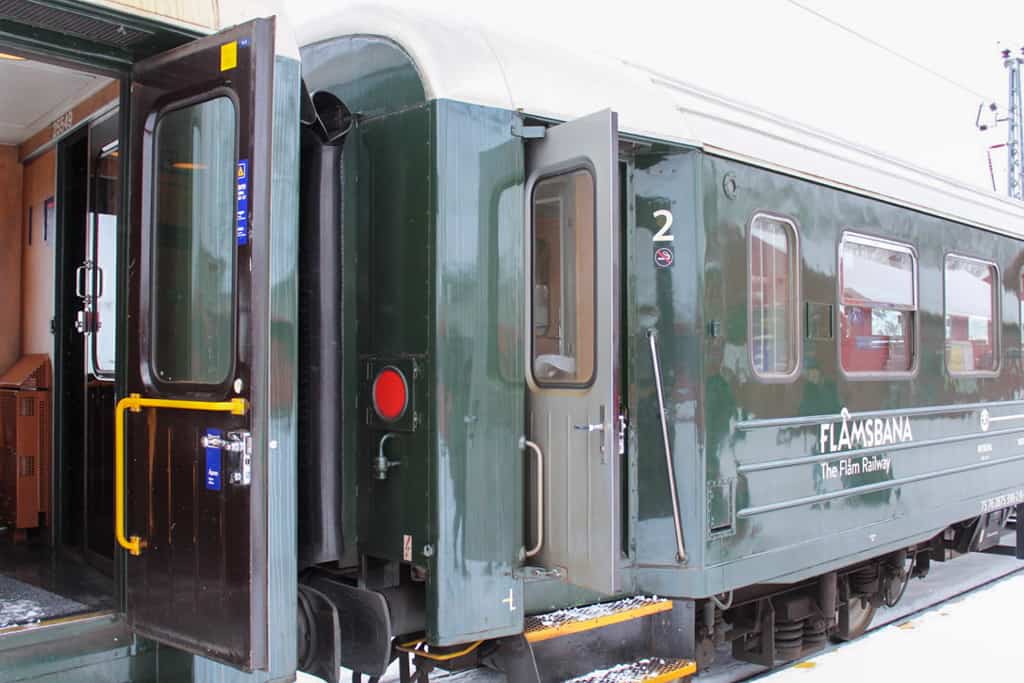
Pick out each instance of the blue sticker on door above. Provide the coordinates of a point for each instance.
(213, 461)
(242, 195)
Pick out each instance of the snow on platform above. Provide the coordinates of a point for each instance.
(973, 637)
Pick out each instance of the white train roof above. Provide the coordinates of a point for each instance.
(473, 64)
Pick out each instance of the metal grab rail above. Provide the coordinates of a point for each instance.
(135, 403)
(539, 543)
(680, 548)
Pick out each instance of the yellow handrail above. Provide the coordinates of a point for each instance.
(135, 403)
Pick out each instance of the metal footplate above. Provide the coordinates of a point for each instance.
(578, 619)
(651, 670)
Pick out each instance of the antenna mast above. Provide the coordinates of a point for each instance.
(1014, 139)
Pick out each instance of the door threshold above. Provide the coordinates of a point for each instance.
(50, 623)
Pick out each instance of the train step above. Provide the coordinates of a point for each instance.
(649, 670)
(579, 619)
(583, 642)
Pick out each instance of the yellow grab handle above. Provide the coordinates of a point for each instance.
(135, 403)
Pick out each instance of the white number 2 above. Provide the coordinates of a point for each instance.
(663, 235)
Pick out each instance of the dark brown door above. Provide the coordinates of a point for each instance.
(195, 511)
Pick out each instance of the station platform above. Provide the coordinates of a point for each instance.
(971, 637)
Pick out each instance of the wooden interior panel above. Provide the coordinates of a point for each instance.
(203, 13)
(80, 112)
(10, 256)
(39, 183)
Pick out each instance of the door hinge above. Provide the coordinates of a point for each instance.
(521, 130)
(623, 425)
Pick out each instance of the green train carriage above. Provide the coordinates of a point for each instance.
(495, 355)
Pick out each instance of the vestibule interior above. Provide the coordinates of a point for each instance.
(59, 206)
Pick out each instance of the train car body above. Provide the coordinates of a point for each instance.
(506, 330)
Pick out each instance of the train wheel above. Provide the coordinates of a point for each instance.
(861, 610)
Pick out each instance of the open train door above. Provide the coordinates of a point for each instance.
(572, 194)
(192, 506)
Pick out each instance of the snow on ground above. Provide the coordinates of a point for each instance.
(974, 637)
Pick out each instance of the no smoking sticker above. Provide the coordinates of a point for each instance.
(663, 257)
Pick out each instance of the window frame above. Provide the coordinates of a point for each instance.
(150, 182)
(868, 239)
(795, 294)
(997, 323)
(556, 172)
(1020, 310)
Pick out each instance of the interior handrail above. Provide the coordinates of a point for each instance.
(135, 403)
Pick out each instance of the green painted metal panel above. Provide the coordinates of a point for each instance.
(395, 293)
(665, 300)
(372, 75)
(793, 510)
(478, 324)
(99, 37)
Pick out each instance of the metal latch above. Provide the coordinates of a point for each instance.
(622, 434)
(238, 444)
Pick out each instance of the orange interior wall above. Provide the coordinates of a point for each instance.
(10, 257)
(38, 184)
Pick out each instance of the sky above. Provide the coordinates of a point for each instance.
(902, 77)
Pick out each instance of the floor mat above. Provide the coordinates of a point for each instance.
(22, 604)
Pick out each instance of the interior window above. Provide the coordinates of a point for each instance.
(102, 241)
(563, 279)
(877, 305)
(773, 296)
(970, 315)
(193, 243)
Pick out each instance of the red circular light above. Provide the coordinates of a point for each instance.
(390, 394)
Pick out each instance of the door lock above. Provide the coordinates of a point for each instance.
(238, 444)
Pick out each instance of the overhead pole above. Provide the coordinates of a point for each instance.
(1015, 132)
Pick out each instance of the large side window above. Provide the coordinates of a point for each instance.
(1020, 305)
(877, 305)
(193, 246)
(971, 327)
(774, 323)
(564, 332)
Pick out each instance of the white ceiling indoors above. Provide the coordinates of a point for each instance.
(33, 94)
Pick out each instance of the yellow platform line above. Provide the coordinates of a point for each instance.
(570, 627)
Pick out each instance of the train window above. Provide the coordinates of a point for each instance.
(774, 323)
(971, 333)
(564, 332)
(877, 305)
(193, 254)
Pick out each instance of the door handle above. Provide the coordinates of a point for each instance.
(539, 454)
(589, 428)
(80, 275)
(135, 403)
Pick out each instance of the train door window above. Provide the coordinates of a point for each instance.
(971, 333)
(774, 323)
(564, 323)
(877, 305)
(193, 251)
